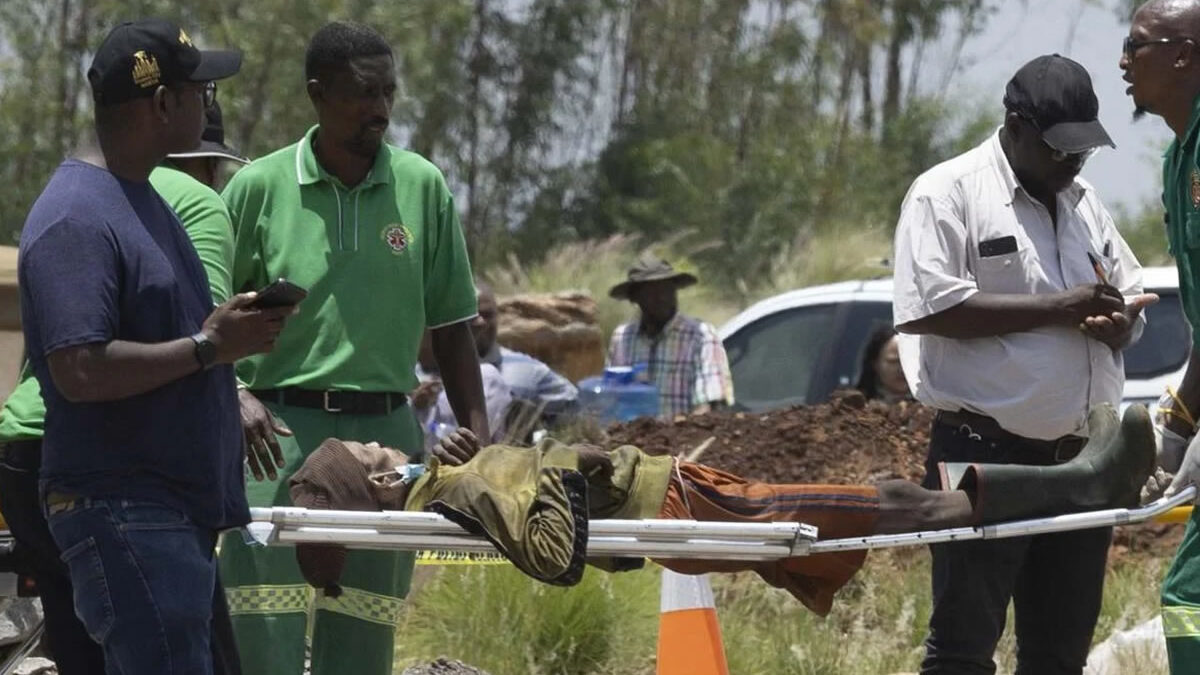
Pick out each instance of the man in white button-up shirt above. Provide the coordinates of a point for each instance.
(1015, 295)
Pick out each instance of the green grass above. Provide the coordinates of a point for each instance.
(876, 626)
(497, 619)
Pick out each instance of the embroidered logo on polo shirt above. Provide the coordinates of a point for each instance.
(1195, 189)
(397, 237)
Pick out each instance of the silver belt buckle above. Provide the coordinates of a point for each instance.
(328, 408)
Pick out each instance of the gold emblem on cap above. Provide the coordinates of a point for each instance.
(1195, 189)
(184, 39)
(145, 69)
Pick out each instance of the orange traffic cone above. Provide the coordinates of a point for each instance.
(689, 638)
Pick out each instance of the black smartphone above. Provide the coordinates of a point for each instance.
(999, 246)
(279, 293)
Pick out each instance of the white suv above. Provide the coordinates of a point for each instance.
(799, 346)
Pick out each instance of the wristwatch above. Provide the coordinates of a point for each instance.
(205, 350)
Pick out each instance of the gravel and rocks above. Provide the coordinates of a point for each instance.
(443, 666)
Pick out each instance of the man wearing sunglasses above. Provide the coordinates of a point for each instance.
(1010, 296)
(1161, 63)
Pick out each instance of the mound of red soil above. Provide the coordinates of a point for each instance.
(845, 441)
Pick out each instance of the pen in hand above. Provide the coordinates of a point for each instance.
(1098, 268)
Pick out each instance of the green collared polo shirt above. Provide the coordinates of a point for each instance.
(1181, 198)
(381, 261)
(206, 221)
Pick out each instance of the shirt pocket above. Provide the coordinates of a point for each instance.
(1001, 274)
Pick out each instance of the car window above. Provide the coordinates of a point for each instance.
(774, 359)
(864, 319)
(1165, 342)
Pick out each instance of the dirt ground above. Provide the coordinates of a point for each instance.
(848, 440)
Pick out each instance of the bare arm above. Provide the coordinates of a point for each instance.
(458, 362)
(119, 369)
(1189, 393)
(990, 314)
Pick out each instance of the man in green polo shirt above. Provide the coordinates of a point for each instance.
(371, 231)
(186, 182)
(1161, 61)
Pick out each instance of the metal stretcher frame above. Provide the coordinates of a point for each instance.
(689, 539)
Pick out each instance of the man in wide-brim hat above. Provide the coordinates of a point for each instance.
(682, 356)
(650, 270)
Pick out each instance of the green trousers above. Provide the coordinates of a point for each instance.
(1181, 603)
(270, 602)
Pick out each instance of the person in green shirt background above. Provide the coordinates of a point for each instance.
(371, 231)
(1161, 61)
(187, 183)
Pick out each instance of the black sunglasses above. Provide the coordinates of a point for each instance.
(1131, 46)
(1056, 154)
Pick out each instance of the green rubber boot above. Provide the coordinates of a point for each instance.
(1108, 473)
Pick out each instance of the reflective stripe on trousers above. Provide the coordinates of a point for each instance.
(1181, 622)
(299, 598)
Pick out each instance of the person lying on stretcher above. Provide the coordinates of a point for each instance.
(534, 504)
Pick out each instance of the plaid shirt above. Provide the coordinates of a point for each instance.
(686, 361)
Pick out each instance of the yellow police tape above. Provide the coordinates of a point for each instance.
(459, 558)
(1179, 514)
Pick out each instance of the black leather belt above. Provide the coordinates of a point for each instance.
(336, 401)
(1061, 449)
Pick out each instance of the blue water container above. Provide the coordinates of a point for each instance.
(617, 396)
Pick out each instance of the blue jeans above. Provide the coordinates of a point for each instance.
(1055, 581)
(144, 577)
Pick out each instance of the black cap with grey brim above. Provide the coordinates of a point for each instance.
(1056, 95)
(212, 141)
(139, 56)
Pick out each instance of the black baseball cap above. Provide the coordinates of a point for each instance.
(139, 56)
(212, 141)
(1056, 94)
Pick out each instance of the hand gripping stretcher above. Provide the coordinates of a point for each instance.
(681, 539)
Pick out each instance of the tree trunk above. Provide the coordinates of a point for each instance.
(899, 35)
(259, 92)
(867, 117)
(65, 56)
(630, 64)
(476, 66)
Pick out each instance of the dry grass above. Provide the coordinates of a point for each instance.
(594, 267)
(839, 254)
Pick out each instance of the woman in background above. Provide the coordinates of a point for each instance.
(880, 376)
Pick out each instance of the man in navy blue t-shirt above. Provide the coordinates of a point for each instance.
(142, 460)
